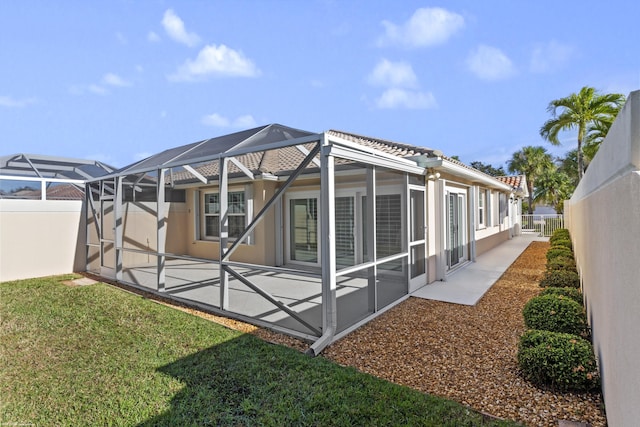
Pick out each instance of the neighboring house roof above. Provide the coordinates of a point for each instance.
(39, 166)
(60, 191)
(517, 182)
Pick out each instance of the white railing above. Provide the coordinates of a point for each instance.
(544, 225)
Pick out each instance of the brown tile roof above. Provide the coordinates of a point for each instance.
(514, 181)
(62, 191)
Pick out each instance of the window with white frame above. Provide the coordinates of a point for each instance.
(488, 209)
(239, 210)
(481, 207)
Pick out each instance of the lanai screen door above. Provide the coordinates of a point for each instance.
(417, 238)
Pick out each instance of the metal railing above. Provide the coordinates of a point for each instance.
(544, 225)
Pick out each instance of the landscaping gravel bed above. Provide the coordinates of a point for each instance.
(467, 354)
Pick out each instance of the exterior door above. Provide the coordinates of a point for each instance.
(107, 239)
(456, 239)
(417, 239)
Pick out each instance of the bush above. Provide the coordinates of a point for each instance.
(559, 234)
(559, 251)
(556, 313)
(562, 361)
(562, 263)
(561, 279)
(566, 243)
(572, 293)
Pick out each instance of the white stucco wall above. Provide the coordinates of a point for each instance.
(603, 217)
(40, 238)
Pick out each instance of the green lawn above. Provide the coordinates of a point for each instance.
(97, 355)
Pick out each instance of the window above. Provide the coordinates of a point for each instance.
(481, 206)
(238, 211)
(504, 207)
(488, 210)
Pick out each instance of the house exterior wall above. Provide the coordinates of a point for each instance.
(40, 238)
(603, 217)
(260, 251)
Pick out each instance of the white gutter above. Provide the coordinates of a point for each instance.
(443, 165)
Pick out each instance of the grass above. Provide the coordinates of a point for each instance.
(96, 355)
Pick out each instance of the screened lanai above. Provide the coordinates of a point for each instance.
(310, 234)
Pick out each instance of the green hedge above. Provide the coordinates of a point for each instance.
(569, 292)
(562, 263)
(560, 279)
(556, 313)
(559, 251)
(559, 234)
(562, 361)
(566, 243)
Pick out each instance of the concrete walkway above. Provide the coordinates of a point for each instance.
(468, 284)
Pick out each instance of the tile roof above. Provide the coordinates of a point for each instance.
(284, 160)
(514, 181)
(389, 147)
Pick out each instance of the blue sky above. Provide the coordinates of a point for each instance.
(120, 80)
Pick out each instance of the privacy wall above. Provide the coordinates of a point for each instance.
(40, 238)
(604, 219)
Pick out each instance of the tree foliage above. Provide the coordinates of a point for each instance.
(532, 162)
(488, 169)
(588, 111)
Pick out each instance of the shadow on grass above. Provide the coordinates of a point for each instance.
(246, 381)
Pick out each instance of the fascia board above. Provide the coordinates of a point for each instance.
(477, 177)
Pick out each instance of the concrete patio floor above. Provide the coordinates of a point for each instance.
(469, 283)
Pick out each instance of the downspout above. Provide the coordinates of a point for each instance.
(328, 250)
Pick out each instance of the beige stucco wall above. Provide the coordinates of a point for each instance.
(40, 238)
(603, 217)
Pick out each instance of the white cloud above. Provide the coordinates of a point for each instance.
(550, 57)
(426, 27)
(246, 121)
(409, 99)
(217, 120)
(219, 61)
(153, 37)
(112, 79)
(10, 102)
(490, 63)
(97, 89)
(174, 26)
(393, 74)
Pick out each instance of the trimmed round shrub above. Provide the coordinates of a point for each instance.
(561, 279)
(559, 234)
(556, 313)
(562, 263)
(572, 293)
(559, 251)
(566, 243)
(561, 361)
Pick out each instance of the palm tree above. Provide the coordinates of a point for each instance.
(531, 162)
(553, 187)
(588, 108)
